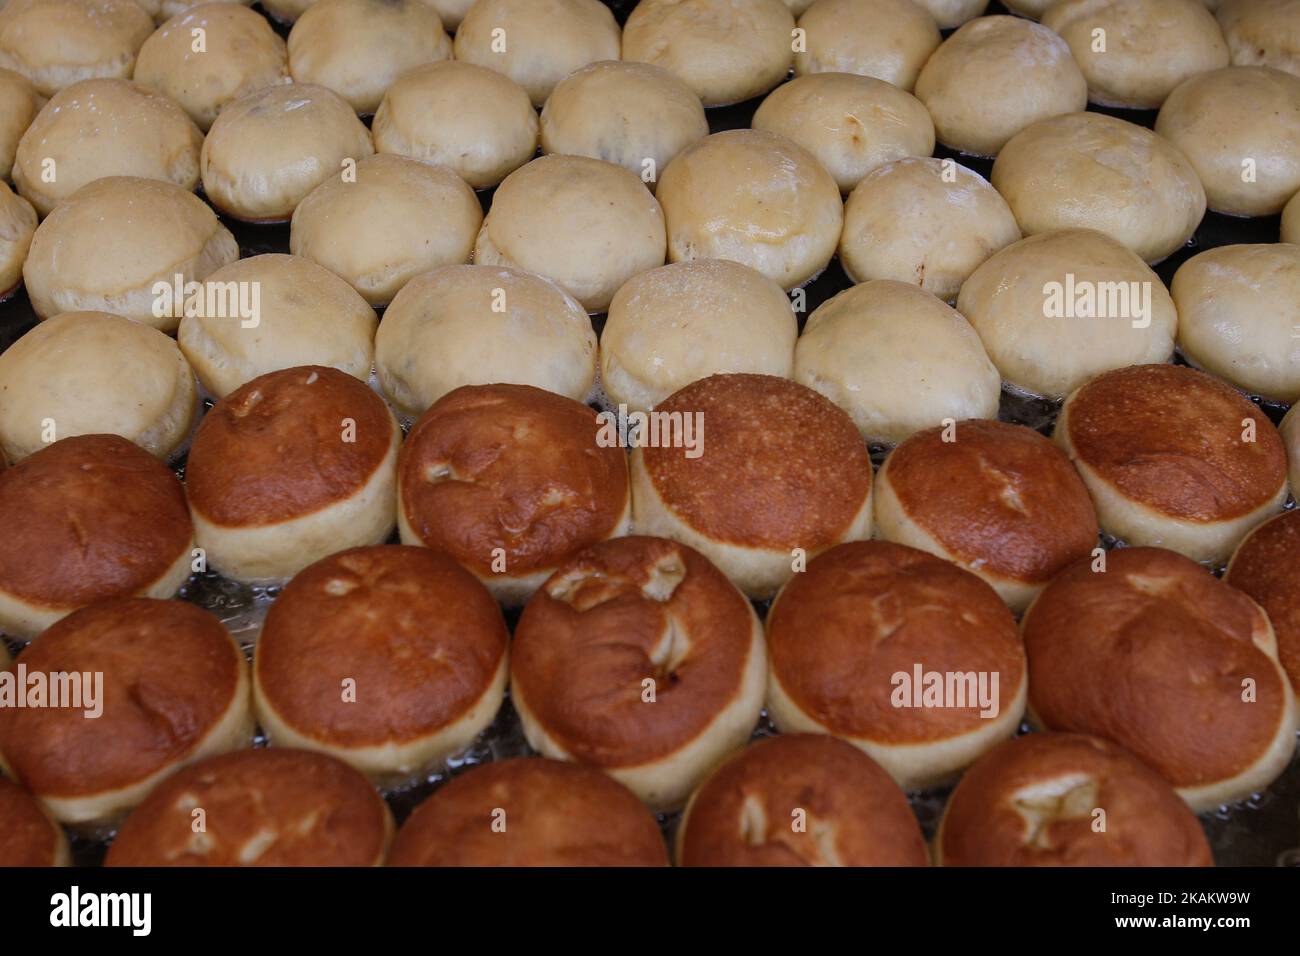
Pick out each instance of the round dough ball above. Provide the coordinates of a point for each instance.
(1239, 316)
(887, 39)
(624, 113)
(17, 226)
(586, 224)
(755, 198)
(68, 370)
(466, 117)
(1262, 32)
(480, 325)
(1059, 308)
(929, 222)
(357, 48)
(683, 322)
(304, 315)
(725, 50)
(375, 232)
(55, 43)
(1237, 124)
(852, 124)
(994, 77)
(543, 40)
(1092, 171)
(1150, 46)
(100, 128)
(1291, 221)
(953, 13)
(242, 54)
(897, 359)
(267, 151)
(19, 104)
(123, 245)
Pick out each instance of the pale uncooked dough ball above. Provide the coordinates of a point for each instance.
(1145, 47)
(1092, 171)
(675, 325)
(302, 314)
(994, 77)
(19, 104)
(241, 55)
(17, 226)
(267, 151)
(481, 325)
(55, 43)
(887, 39)
(587, 224)
(398, 218)
(897, 359)
(953, 13)
(755, 198)
(68, 372)
(928, 222)
(1059, 308)
(1291, 220)
(852, 124)
(100, 128)
(625, 113)
(537, 43)
(1262, 32)
(725, 50)
(121, 245)
(474, 120)
(357, 48)
(1239, 316)
(1240, 127)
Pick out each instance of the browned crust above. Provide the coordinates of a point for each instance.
(171, 672)
(1007, 811)
(274, 449)
(604, 623)
(1000, 494)
(866, 610)
(88, 518)
(782, 466)
(556, 814)
(419, 635)
(1171, 438)
(1267, 567)
(27, 836)
(511, 467)
(853, 814)
(1152, 654)
(318, 810)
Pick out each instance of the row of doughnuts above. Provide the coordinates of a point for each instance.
(388, 658)
(795, 799)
